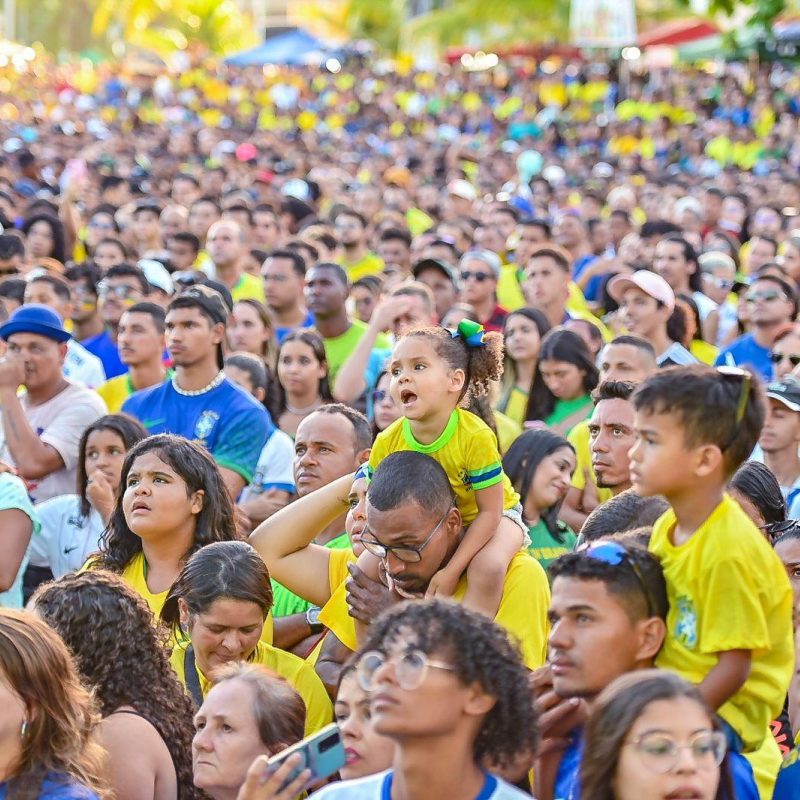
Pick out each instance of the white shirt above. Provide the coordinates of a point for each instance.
(60, 422)
(376, 787)
(705, 305)
(275, 468)
(67, 538)
(84, 367)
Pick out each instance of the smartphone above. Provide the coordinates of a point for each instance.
(323, 754)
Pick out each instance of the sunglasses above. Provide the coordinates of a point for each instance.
(719, 283)
(480, 277)
(736, 374)
(379, 395)
(777, 357)
(773, 530)
(614, 554)
(767, 297)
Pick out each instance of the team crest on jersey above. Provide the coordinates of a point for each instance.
(205, 424)
(686, 622)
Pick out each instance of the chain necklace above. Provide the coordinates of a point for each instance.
(220, 376)
(302, 412)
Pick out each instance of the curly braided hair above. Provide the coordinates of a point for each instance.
(121, 652)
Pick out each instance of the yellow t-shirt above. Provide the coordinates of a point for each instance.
(704, 352)
(134, 576)
(115, 392)
(467, 450)
(507, 430)
(522, 612)
(728, 590)
(509, 292)
(371, 264)
(296, 671)
(248, 287)
(516, 405)
(578, 437)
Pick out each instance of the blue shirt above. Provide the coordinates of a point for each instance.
(282, 333)
(14, 494)
(787, 787)
(102, 345)
(567, 785)
(58, 787)
(226, 420)
(746, 352)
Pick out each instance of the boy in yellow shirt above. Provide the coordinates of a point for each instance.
(729, 627)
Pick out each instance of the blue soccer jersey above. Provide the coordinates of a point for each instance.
(232, 425)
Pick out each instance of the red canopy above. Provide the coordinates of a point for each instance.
(679, 31)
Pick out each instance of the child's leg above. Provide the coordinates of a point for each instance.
(486, 572)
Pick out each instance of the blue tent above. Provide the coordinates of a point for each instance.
(282, 46)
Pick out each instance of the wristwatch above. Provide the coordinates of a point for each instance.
(312, 618)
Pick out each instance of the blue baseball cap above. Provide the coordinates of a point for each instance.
(35, 318)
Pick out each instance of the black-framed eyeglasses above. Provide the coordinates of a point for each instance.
(773, 530)
(777, 357)
(742, 375)
(406, 553)
(614, 554)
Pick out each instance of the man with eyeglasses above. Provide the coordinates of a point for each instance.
(122, 287)
(479, 272)
(413, 528)
(718, 274)
(780, 439)
(608, 598)
(772, 304)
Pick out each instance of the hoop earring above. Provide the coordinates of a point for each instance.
(23, 729)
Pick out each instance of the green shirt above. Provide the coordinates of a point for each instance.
(340, 348)
(284, 602)
(545, 547)
(580, 407)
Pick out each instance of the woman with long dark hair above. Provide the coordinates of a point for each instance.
(651, 735)
(44, 237)
(172, 501)
(524, 394)
(121, 657)
(568, 371)
(72, 524)
(302, 377)
(540, 464)
(49, 724)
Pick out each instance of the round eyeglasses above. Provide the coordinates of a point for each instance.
(410, 668)
(660, 753)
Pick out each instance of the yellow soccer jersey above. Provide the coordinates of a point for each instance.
(467, 451)
(728, 590)
(522, 612)
(296, 671)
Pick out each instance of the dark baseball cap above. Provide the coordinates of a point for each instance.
(209, 299)
(786, 391)
(434, 263)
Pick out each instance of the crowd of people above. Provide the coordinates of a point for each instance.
(459, 409)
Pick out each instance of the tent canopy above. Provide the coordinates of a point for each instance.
(678, 32)
(282, 46)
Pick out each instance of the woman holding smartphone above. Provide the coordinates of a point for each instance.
(248, 713)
